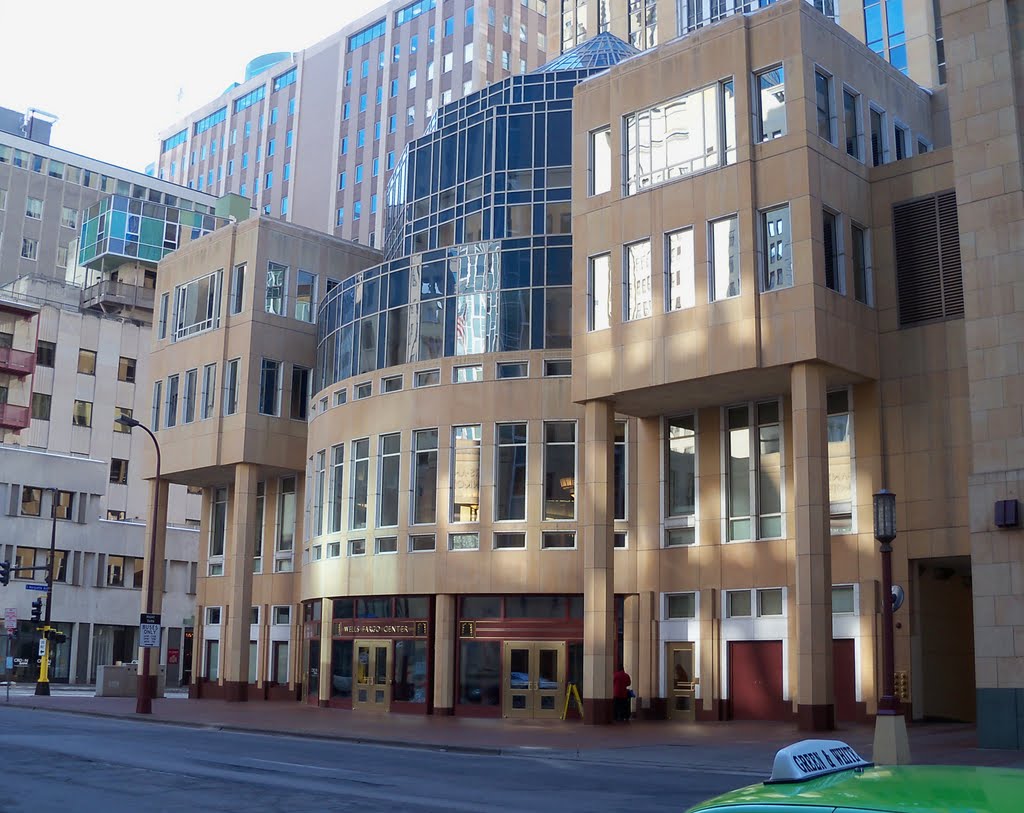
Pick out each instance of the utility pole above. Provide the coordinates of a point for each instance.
(43, 684)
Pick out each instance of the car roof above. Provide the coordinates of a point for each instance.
(903, 789)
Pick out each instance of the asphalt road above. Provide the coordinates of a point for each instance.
(65, 762)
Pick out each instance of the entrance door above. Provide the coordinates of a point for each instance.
(680, 680)
(755, 680)
(313, 672)
(373, 676)
(534, 678)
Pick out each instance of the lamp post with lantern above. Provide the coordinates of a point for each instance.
(891, 746)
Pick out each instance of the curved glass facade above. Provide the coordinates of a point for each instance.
(478, 242)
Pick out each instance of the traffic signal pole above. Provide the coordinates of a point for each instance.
(43, 684)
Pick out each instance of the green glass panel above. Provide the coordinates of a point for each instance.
(117, 224)
(152, 231)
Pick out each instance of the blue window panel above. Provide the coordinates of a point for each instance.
(348, 305)
(515, 269)
(449, 326)
(433, 280)
(537, 325)
(398, 288)
(514, 320)
(381, 339)
(559, 266)
(560, 143)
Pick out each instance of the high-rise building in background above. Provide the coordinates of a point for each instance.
(314, 136)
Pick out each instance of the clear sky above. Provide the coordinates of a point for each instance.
(112, 70)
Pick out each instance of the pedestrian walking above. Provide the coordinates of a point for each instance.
(621, 694)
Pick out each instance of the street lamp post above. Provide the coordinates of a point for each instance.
(145, 688)
(891, 746)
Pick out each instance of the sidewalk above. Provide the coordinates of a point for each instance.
(733, 747)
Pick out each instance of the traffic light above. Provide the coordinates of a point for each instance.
(37, 610)
(56, 636)
(5, 573)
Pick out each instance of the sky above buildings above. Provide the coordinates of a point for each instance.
(116, 72)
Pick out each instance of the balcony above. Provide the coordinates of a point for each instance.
(17, 362)
(14, 417)
(112, 295)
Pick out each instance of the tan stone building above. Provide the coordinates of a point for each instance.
(524, 465)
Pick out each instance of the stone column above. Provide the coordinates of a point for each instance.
(597, 529)
(238, 570)
(153, 578)
(813, 642)
(445, 639)
(646, 673)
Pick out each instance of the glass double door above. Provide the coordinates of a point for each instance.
(533, 678)
(372, 690)
(681, 680)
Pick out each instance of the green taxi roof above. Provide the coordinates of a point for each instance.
(904, 789)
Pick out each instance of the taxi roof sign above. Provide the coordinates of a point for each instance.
(812, 758)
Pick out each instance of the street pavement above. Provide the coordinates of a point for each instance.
(738, 748)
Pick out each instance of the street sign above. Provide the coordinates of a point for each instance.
(11, 618)
(42, 647)
(40, 587)
(149, 630)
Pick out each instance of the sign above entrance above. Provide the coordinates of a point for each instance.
(413, 628)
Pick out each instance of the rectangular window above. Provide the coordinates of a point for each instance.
(844, 599)
(879, 145)
(619, 470)
(465, 468)
(680, 291)
(164, 302)
(770, 87)
(277, 278)
(599, 298)
(388, 487)
(359, 486)
(723, 253)
(769, 602)
(68, 217)
(318, 493)
(87, 362)
(860, 260)
(680, 480)
(510, 477)
(270, 387)
(337, 495)
(464, 541)
(29, 248)
(46, 353)
(364, 390)
(34, 208)
(600, 174)
(154, 423)
(426, 378)
(510, 541)
(298, 407)
(237, 288)
(824, 107)
(737, 604)
(834, 277)
(636, 290)
(391, 383)
(230, 401)
(901, 140)
(467, 373)
(512, 369)
(852, 125)
(188, 413)
(680, 606)
(754, 471)
(421, 543)
(285, 543)
(424, 477)
(197, 305)
(840, 461)
(555, 368)
(118, 471)
(386, 544)
(40, 406)
(559, 470)
(261, 518)
(776, 249)
(558, 540)
(218, 523)
(172, 401)
(209, 389)
(126, 370)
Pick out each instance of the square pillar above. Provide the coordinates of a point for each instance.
(238, 570)
(444, 654)
(597, 529)
(813, 640)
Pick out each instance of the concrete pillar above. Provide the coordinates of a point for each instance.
(326, 629)
(238, 571)
(646, 672)
(638, 670)
(813, 641)
(153, 577)
(597, 529)
(445, 639)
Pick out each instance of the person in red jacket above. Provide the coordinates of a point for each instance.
(620, 694)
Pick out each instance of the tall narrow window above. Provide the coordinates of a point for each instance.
(769, 471)
(230, 402)
(237, 288)
(679, 270)
(164, 303)
(154, 422)
(619, 470)
(424, 484)
(337, 487)
(637, 283)
(901, 142)
(270, 387)
(771, 104)
(359, 487)
(188, 412)
(209, 390)
(285, 543)
(754, 471)
(172, 401)
(261, 510)
(305, 297)
(724, 279)
(776, 249)
(390, 465)
(510, 477)
(834, 278)
(276, 287)
(318, 492)
(852, 125)
(823, 105)
(860, 260)
(600, 161)
(218, 530)
(840, 462)
(680, 480)
(559, 470)
(465, 489)
(299, 404)
(738, 462)
(878, 145)
(599, 292)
